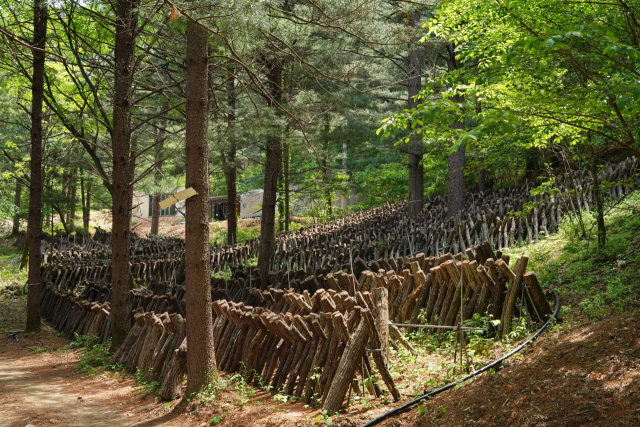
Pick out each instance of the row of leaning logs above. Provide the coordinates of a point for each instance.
(158, 258)
(71, 314)
(427, 288)
(456, 288)
(319, 250)
(300, 351)
(385, 232)
(156, 348)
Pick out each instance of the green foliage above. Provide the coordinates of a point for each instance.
(383, 184)
(600, 280)
(36, 349)
(209, 392)
(280, 398)
(146, 387)
(94, 356)
(325, 419)
(243, 234)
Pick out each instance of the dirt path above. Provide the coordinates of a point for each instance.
(41, 385)
(32, 396)
(47, 388)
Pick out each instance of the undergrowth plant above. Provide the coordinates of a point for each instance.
(94, 355)
(146, 387)
(597, 281)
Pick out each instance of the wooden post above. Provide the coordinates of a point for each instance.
(381, 362)
(380, 296)
(513, 293)
(172, 385)
(537, 295)
(349, 361)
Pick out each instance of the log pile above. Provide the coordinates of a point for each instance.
(492, 216)
(297, 352)
(332, 293)
(72, 314)
(156, 348)
(304, 258)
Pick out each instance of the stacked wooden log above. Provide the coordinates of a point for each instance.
(335, 288)
(383, 233)
(156, 348)
(504, 218)
(297, 352)
(478, 280)
(71, 314)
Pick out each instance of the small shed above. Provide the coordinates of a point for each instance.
(219, 208)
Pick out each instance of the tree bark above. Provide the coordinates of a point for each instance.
(230, 177)
(416, 168)
(40, 16)
(201, 363)
(86, 202)
(125, 31)
(132, 172)
(230, 169)
(456, 187)
(287, 195)
(72, 200)
(157, 175)
(456, 196)
(324, 164)
(16, 201)
(155, 214)
(272, 169)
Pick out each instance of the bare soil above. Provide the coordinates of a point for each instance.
(41, 384)
(579, 376)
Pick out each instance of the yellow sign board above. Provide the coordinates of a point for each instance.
(182, 195)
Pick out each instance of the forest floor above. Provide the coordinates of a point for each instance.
(575, 375)
(583, 371)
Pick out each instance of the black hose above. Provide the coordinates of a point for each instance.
(393, 412)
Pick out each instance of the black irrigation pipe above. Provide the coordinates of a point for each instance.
(406, 406)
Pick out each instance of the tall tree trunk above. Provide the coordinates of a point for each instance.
(416, 168)
(230, 168)
(86, 202)
(324, 165)
(287, 195)
(157, 174)
(40, 16)
(597, 198)
(132, 173)
(72, 200)
(281, 197)
(272, 169)
(482, 175)
(201, 364)
(155, 214)
(230, 178)
(125, 28)
(456, 191)
(16, 201)
(455, 186)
